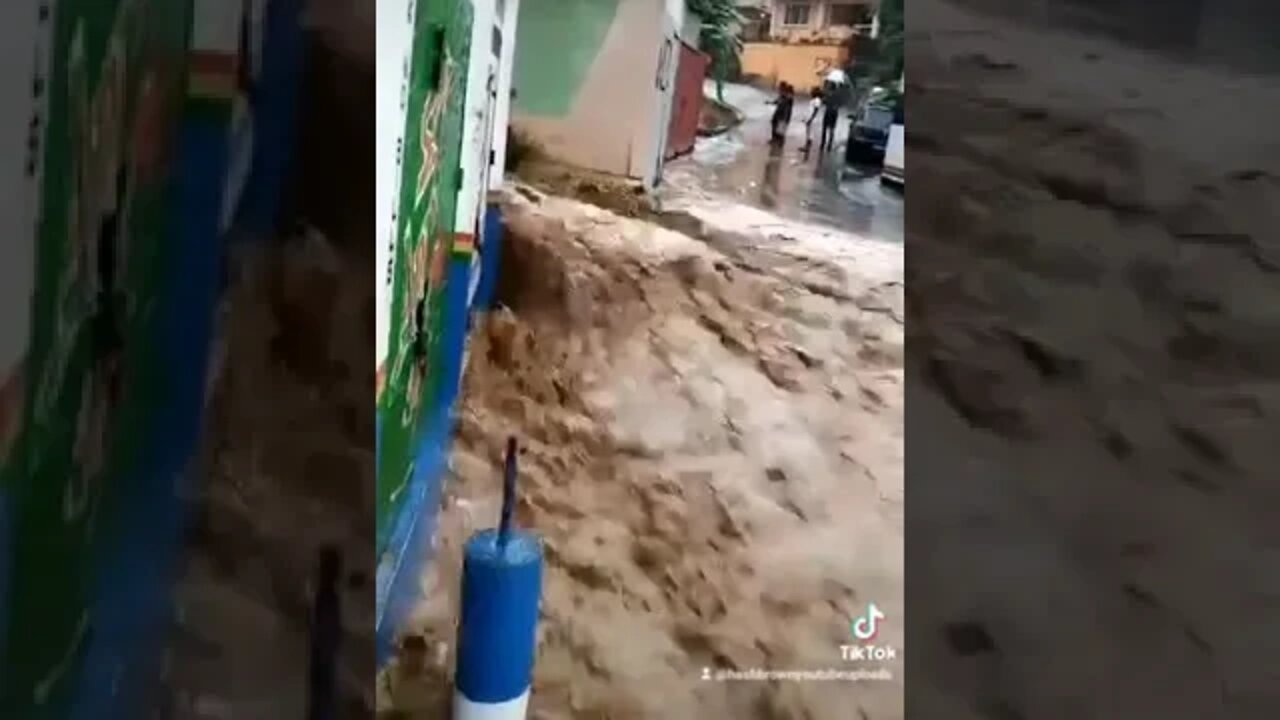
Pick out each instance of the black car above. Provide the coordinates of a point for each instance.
(869, 132)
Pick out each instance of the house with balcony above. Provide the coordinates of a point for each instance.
(799, 41)
(753, 25)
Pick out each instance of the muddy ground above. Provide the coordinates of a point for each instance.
(1095, 307)
(713, 457)
(265, 501)
(291, 373)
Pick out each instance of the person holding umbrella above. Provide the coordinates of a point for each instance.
(834, 81)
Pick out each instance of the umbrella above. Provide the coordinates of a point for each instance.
(838, 77)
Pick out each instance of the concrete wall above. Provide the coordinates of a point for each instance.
(586, 82)
(801, 65)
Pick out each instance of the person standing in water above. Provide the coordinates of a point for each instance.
(782, 113)
(830, 116)
(812, 112)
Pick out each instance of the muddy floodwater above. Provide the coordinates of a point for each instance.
(712, 420)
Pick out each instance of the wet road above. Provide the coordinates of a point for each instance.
(816, 189)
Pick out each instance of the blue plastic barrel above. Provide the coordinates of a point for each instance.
(498, 633)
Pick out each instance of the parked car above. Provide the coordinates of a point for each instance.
(878, 93)
(894, 169)
(869, 132)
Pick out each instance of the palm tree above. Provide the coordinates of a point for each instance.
(720, 23)
(878, 59)
(890, 40)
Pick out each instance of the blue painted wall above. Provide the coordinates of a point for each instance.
(408, 552)
(133, 604)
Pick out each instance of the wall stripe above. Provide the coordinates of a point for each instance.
(213, 75)
(464, 244)
(514, 709)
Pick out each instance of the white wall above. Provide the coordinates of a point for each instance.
(475, 130)
(240, 161)
(395, 44)
(675, 12)
(502, 113)
(23, 48)
(692, 29)
(215, 25)
(672, 23)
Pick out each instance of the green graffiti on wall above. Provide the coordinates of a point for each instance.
(114, 90)
(428, 198)
(570, 31)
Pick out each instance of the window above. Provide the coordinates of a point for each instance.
(849, 14)
(878, 117)
(796, 14)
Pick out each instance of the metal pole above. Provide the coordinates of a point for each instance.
(326, 637)
(508, 495)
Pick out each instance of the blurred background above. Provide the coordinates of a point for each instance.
(191, 307)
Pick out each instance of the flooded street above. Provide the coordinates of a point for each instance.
(741, 165)
(710, 405)
(712, 431)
